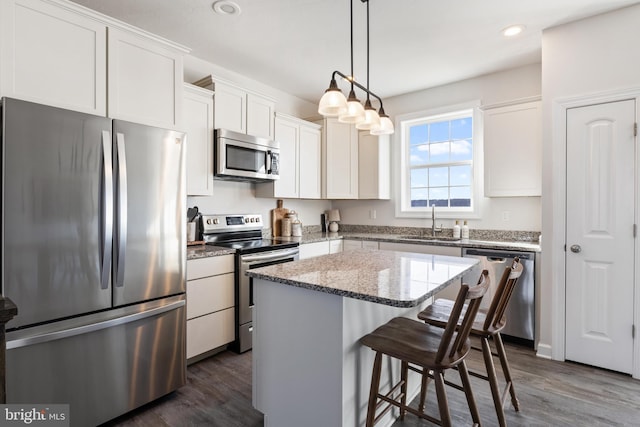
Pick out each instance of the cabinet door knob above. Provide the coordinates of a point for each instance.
(576, 249)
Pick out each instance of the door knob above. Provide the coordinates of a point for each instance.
(576, 248)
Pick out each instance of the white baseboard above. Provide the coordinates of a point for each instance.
(544, 351)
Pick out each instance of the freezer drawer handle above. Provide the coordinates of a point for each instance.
(85, 329)
(107, 210)
(496, 259)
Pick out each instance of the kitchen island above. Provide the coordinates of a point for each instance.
(308, 366)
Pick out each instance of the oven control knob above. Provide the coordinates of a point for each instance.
(246, 220)
(209, 221)
(253, 219)
(216, 221)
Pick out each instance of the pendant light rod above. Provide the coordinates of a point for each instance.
(352, 75)
(367, 2)
(353, 82)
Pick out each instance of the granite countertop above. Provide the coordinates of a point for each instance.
(206, 251)
(399, 279)
(203, 251)
(413, 239)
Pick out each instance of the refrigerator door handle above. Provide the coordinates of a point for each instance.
(122, 210)
(85, 329)
(107, 206)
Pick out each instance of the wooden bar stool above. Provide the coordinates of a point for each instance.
(488, 324)
(423, 348)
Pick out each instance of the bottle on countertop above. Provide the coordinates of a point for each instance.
(465, 231)
(456, 230)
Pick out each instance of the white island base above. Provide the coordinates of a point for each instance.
(308, 368)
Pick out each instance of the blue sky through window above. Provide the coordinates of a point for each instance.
(440, 158)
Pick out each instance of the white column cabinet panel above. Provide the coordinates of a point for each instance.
(513, 150)
(198, 123)
(145, 80)
(53, 55)
(374, 166)
(310, 161)
(339, 160)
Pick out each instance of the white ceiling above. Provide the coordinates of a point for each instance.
(294, 45)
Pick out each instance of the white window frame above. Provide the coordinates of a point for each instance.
(402, 190)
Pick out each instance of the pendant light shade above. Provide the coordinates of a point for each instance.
(354, 112)
(371, 118)
(385, 127)
(333, 102)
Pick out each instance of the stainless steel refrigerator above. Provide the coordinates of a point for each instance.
(94, 256)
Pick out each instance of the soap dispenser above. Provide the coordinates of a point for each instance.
(456, 230)
(465, 230)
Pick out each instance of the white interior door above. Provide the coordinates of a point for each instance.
(600, 242)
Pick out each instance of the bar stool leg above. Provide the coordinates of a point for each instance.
(403, 388)
(466, 385)
(443, 403)
(423, 389)
(502, 354)
(493, 381)
(373, 393)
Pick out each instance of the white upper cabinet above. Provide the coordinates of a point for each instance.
(260, 116)
(230, 108)
(54, 52)
(198, 123)
(53, 55)
(239, 110)
(310, 161)
(513, 150)
(339, 160)
(374, 166)
(145, 80)
(299, 160)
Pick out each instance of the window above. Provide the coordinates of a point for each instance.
(437, 162)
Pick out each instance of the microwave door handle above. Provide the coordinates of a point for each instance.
(269, 160)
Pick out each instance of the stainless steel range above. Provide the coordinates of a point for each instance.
(244, 234)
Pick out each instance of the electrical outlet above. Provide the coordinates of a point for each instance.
(372, 214)
(506, 216)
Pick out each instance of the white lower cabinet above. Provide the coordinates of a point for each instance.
(350, 245)
(326, 247)
(210, 304)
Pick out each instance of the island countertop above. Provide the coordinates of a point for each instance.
(398, 279)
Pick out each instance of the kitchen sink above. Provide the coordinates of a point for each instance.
(431, 238)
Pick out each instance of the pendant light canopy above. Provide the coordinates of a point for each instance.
(350, 110)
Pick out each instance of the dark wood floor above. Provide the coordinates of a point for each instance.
(218, 393)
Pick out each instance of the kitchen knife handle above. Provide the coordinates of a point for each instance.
(107, 209)
(122, 210)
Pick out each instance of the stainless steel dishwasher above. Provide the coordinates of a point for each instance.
(521, 310)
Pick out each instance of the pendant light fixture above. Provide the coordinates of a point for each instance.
(349, 110)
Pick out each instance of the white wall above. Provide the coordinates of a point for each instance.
(524, 212)
(239, 197)
(587, 57)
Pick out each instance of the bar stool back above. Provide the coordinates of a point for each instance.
(487, 324)
(423, 348)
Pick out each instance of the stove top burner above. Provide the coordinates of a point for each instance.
(240, 232)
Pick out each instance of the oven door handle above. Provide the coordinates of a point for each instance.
(270, 256)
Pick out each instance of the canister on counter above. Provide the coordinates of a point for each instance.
(286, 227)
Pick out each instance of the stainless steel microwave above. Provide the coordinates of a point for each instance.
(241, 157)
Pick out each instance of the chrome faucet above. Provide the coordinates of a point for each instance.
(433, 221)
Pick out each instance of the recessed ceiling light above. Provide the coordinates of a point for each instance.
(513, 30)
(226, 7)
